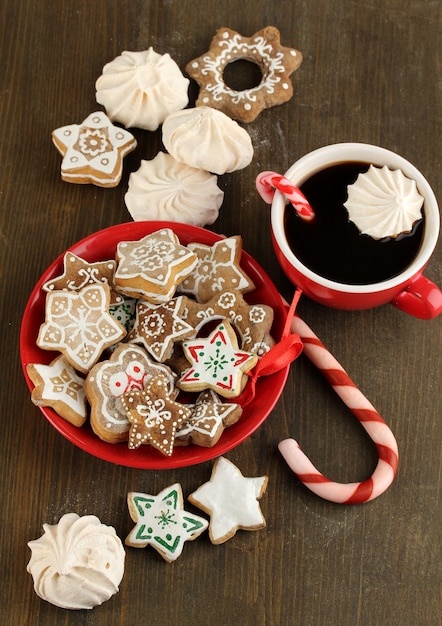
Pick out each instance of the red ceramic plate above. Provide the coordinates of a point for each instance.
(101, 246)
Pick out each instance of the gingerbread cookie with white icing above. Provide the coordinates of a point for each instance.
(218, 268)
(275, 61)
(129, 368)
(58, 386)
(78, 324)
(152, 267)
(93, 151)
(77, 273)
(217, 363)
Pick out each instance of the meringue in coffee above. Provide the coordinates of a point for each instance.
(384, 203)
(140, 89)
(166, 189)
(207, 139)
(77, 563)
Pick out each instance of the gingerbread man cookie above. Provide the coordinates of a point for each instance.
(276, 63)
(93, 151)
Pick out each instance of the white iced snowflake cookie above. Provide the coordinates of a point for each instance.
(140, 89)
(384, 202)
(167, 189)
(77, 563)
(207, 139)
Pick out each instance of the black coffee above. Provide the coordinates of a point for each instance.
(332, 246)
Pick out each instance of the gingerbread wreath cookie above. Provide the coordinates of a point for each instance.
(93, 151)
(217, 269)
(129, 368)
(162, 522)
(276, 63)
(152, 267)
(78, 273)
(58, 385)
(231, 500)
(217, 363)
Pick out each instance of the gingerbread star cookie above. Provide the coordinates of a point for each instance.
(253, 322)
(93, 151)
(158, 326)
(153, 415)
(162, 522)
(129, 368)
(78, 324)
(58, 385)
(217, 363)
(218, 269)
(78, 273)
(208, 420)
(152, 267)
(264, 49)
(231, 500)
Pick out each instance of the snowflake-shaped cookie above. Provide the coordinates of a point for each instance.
(216, 363)
(231, 500)
(93, 151)
(78, 324)
(162, 522)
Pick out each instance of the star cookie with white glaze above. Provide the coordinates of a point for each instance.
(218, 269)
(58, 386)
(209, 418)
(231, 500)
(264, 49)
(93, 151)
(152, 267)
(78, 324)
(216, 363)
(162, 522)
(159, 326)
(153, 415)
(77, 273)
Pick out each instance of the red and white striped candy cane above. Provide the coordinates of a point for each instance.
(267, 182)
(377, 429)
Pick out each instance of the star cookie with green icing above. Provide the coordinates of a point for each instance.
(231, 500)
(162, 522)
(217, 363)
(153, 415)
(93, 151)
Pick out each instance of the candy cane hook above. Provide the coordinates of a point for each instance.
(377, 429)
(267, 182)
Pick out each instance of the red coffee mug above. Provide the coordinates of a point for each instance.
(409, 291)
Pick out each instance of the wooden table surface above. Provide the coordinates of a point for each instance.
(371, 73)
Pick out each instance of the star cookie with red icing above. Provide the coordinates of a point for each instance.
(231, 500)
(264, 49)
(217, 363)
(162, 522)
(93, 151)
(154, 417)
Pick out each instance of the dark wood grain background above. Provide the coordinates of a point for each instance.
(371, 73)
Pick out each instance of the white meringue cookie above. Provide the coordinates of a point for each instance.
(167, 189)
(208, 139)
(140, 89)
(77, 563)
(384, 203)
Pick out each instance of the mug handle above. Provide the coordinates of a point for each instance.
(420, 298)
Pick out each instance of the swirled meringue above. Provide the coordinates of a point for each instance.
(384, 203)
(140, 89)
(207, 139)
(167, 189)
(77, 563)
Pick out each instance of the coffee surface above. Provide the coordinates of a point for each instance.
(332, 246)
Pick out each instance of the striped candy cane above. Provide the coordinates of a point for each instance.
(267, 182)
(377, 429)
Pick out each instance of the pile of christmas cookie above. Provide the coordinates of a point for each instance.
(134, 332)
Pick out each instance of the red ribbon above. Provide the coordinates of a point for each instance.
(277, 358)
